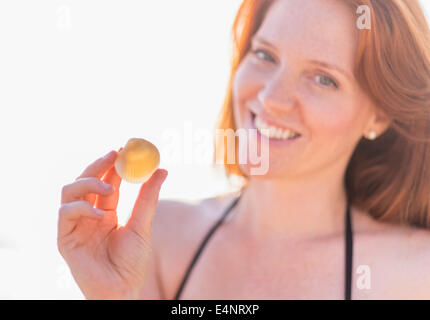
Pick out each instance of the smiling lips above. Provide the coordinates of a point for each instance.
(273, 132)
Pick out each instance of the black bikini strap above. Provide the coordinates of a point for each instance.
(348, 250)
(348, 254)
(202, 245)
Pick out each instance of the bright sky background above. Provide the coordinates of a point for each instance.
(78, 79)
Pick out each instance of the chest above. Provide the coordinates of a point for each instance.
(230, 269)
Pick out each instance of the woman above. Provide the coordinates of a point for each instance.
(343, 209)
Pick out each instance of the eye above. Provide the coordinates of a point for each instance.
(259, 53)
(326, 81)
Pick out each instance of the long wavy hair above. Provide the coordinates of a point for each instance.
(388, 177)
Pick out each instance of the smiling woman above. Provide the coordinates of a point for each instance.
(346, 114)
(389, 72)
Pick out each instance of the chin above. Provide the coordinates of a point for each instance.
(272, 171)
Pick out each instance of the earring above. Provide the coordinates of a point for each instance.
(372, 135)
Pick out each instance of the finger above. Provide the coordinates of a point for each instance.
(69, 213)
(83, 186)
(99, 167)
(146, 204)
(110, 201)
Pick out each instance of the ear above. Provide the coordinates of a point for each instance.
(378, 123)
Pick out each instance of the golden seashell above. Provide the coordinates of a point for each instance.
(137, 161)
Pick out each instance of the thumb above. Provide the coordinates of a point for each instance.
(146, 204)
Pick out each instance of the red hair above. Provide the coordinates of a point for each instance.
(388, 177)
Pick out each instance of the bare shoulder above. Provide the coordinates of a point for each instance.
(398, 255)
(179, 227)
(413, 239)
(181, 220)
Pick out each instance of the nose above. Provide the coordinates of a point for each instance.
(279, 93)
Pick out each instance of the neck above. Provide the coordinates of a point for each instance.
(303, 208)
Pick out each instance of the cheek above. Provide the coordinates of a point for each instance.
(334, 119)
(243, 87)
(246, 82)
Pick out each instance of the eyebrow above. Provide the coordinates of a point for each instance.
(331, 66)
(316, 62)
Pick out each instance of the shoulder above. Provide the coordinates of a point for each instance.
(182, 219)
(398, 256)
(178, 229)
(407, 239)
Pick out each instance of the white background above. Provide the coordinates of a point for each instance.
(78, 79)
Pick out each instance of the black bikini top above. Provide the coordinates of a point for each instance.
(348, 249)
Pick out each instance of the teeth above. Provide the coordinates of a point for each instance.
(279, 133)
(260, 124)
(273, 132)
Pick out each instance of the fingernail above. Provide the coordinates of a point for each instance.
(165, 174)
(99, 212)
(107, 186)
(108, 154)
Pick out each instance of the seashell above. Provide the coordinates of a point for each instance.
(137, 161)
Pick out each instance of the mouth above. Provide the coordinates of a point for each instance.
(272, 132)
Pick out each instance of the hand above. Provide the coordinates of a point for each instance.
(106, 261)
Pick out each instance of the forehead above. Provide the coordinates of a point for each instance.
(316, 29)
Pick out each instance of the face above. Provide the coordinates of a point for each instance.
(298, 76)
